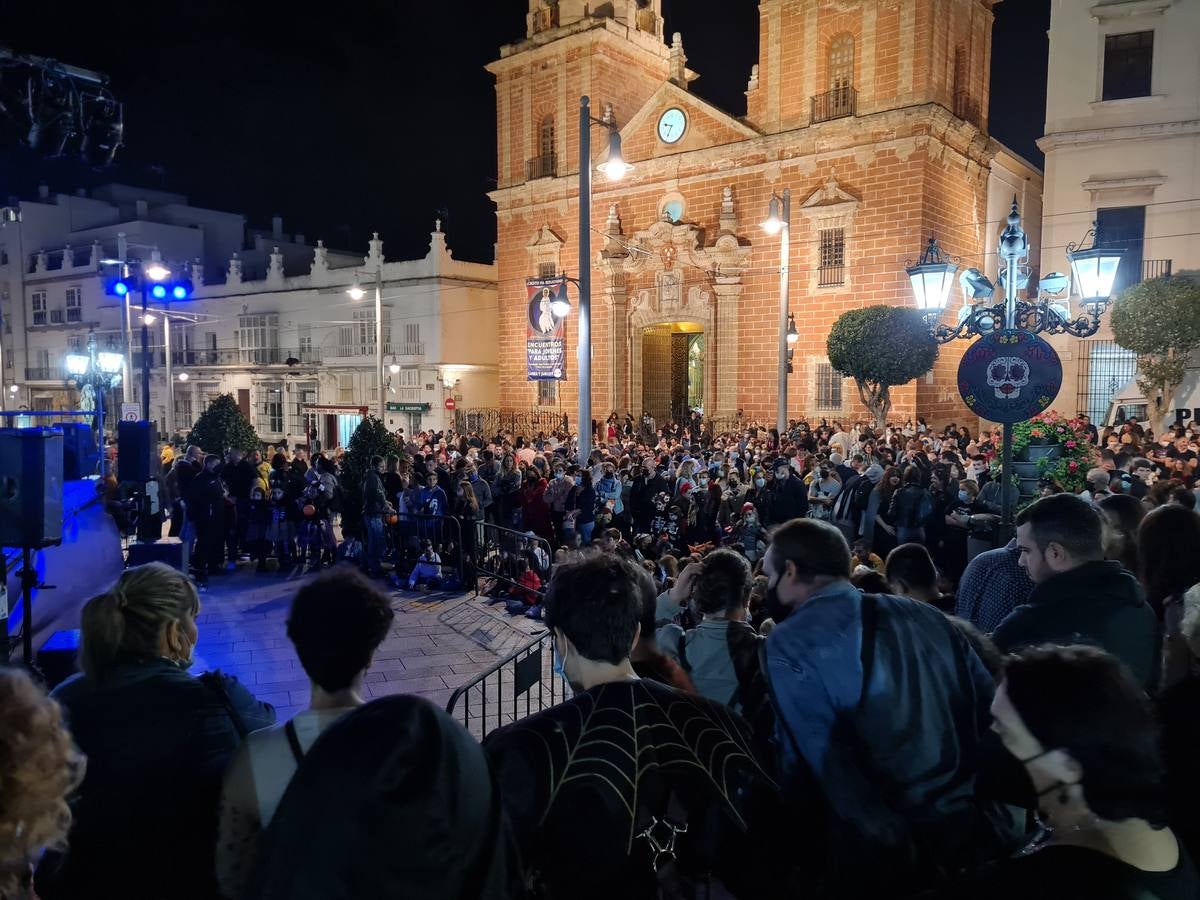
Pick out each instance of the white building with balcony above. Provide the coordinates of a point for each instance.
(270, 320)
(1122, 145)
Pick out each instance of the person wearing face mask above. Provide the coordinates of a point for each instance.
(580, 806)
(157, 739)
(1085, 736)
(883, 701)
(556, 495)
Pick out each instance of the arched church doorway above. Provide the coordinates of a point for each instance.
(673, 370)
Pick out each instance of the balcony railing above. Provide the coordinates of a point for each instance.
(541, 167)
(411, 348)
(350, 351)
(1155, 268)
(544, 19)
(51, 373)
(273, 356)
(74, 314)
(836, 104)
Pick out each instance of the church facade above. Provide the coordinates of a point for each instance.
(872, 113)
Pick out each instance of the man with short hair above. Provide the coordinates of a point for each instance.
(882, 700)
(337, 622)
(910, 572)
(597, 785)
(1079, 597)
(992, 586)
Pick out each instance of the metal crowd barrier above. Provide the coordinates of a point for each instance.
(517, 686)
(413, 528)
(497, 549)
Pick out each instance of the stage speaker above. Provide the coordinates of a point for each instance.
(135, 446)
(81, 455)
(169, 552)
(31, 487)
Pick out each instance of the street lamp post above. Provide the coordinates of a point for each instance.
(614, 168)
(932, 277)
(779, 221)
(357, 293)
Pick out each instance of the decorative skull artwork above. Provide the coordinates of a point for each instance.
(1006, 375)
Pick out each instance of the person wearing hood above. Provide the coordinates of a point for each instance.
(1079, 597)
(866, 501)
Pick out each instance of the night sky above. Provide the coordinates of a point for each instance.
(376, 114)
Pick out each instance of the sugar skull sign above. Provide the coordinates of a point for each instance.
(1009, 376)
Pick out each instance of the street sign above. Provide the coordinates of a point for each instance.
(131, 412)
(1009, 376)
(408, 407)
(450, 403)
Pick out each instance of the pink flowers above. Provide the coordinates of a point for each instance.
(1072, 465)
(1070, 445)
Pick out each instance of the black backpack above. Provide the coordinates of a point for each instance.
(862, 494)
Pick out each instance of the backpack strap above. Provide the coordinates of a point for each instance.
(867, 656)
(294, 741)
(215, 682)
(683, 661)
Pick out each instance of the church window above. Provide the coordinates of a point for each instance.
(841, 62)
(547, 393)
(543, 165)
(832, 262)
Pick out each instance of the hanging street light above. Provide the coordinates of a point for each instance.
(932, 276)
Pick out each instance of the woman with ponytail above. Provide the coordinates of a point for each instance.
(157, 739)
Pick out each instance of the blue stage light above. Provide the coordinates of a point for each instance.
(158, 292)
(179, 292)
(117, 287)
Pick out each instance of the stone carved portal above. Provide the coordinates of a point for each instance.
(666, 282)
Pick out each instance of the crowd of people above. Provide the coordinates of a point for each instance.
(788, 680)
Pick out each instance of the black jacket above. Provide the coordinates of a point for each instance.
(789, 500)
(1098, 603)
(906, 507)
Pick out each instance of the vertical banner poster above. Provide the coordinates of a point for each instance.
(545, 340)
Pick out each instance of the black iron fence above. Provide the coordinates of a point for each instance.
(529, 423)
(519, 685)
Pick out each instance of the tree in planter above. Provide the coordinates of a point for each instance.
(370, 438)
(880, 347)
(222, 426)
(1159, 320)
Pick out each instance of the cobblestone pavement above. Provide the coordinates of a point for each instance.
(437, 643)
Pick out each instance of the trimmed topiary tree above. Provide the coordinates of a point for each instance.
(880, 347)
(222, 426)
(1159, 320)
(370, 438)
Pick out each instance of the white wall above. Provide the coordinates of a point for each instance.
(1142, 151)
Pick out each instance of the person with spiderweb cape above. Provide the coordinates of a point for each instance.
(631, 788)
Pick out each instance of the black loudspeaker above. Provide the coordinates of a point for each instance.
(135, 445)
(81, 455)
(31, 487)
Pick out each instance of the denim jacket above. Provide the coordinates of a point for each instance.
(893, 749)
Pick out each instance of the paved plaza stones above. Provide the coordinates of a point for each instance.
(437, 642)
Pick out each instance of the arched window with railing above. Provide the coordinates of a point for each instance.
(544, 163)
(840, 98)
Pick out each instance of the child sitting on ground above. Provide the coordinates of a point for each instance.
(523, 596)
(428, 568)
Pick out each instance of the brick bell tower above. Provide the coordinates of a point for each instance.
(614, 53)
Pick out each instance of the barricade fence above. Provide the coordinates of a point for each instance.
(498, 551)
(521, 684)
(409, 532)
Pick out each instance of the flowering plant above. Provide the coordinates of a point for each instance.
(1076, 456)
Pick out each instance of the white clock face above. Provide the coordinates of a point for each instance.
(671, 125)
